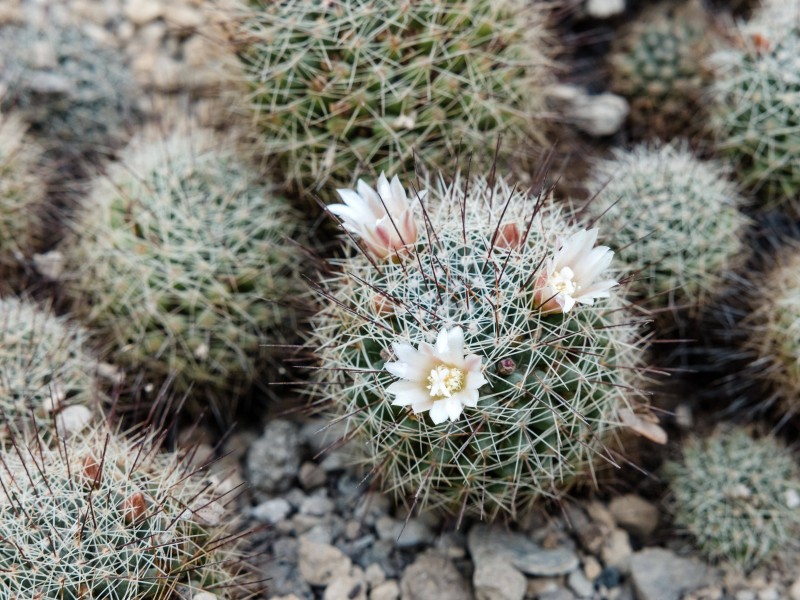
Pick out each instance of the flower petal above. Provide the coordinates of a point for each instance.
(438, 412)
(453, 407)
(469, 397)
(450, 346)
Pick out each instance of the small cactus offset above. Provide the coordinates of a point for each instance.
(676, 221)
(472, 348)
(773, 330)
(77, 94)
(656, 63)
(179, 260)
(737, 496)
(101, 516)
(22, 193)
(349, 89)
(46, 372)
(756, 112)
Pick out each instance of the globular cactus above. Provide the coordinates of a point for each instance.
(179, 259)
(756, 112)
(676, 221)
(657, 64)
(22, 193)
(47, 375)
(773, 331)
(738, 497)
(102, 516)
(348, 89)
(77, 94)
(472, 348)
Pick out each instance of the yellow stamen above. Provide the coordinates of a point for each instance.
(445, 381)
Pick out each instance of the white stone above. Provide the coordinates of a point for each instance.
(603, 9)
(73, 419)
(635, 514)
(388, 590)
(143, 11)
(346, 587)
(184, 17)
(320, 564)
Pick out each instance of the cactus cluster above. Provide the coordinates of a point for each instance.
(756, 113)
(179, 260)
(523, 383)
(656, 63)
(348, 89)
(101, 516)
(676, 220)
(737, 496)
(46, 372)
(22, 193)
(77, 94)
(773, 330)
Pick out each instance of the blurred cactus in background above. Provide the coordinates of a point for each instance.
(676, 222)
(350, 89)
(180, 261)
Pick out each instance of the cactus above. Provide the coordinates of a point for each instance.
(178, 261)
(773, 330)
(101, 516)
(656, 63)
(526, 378)
(22, 194)
(346, 89)
(676, 221)
(77, 94)
(756, 113)
(46, 373)
(737, 496)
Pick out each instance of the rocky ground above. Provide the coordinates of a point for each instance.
(329, 536)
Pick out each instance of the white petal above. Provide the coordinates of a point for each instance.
(422, 406)
(571, 249)
(367, 210)
(450, 346)
(401, 370)
(438, 412)
(589, 267)
(370, 196)
(409, 394)
(385, 190)
(399, 199)
(453, 407)
(474, 380)
(566, 302)
(469, 397)
(598, 289)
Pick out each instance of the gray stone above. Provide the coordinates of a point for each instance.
(311, 476)
(616, 550)
(346, 587)
(597, 115)
(403, 534)
(320, 564)
(658, 574)
(635, 514)
(318, 506)
(374, 575)
(579, 584)
(495, 579)
(603, 9)
(388, 590)
(433, 577)
(274, 458)
(557, 594)
(521, 552)
(272, 511)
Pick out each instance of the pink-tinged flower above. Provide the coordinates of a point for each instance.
(570, 274)
(438, 378)
(383, 219)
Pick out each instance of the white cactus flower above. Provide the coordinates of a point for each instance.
(570, 274)
(439, 379)
(383, 219)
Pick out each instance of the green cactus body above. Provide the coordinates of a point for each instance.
(45, 370)
(676, 221)
(101, 516)
(22, 192)
(349, 89)
(756, 112)
(656, 63)
(773, 330)
(555, 382)
(737, 496)
(77, 94)
(179, 261)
